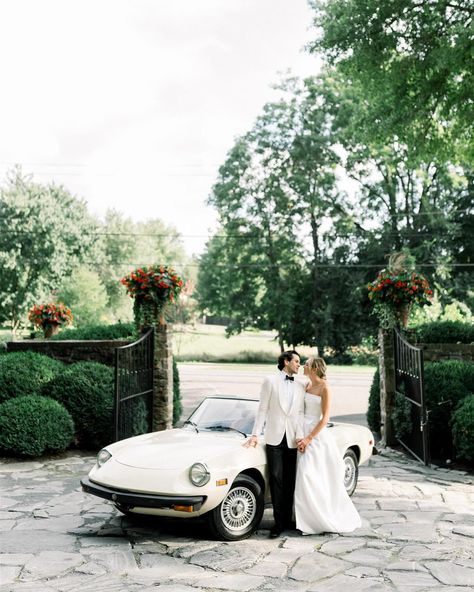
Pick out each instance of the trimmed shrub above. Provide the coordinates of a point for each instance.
(401, 416)
(133, 417)
(31, 425)
(90, 332)
(444, 332)
(177, 404)
(447, 383)
(463, 429)
(373, 412)
(86, 389)
(26, 373)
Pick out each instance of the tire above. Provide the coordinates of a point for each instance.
(239, 513)
(351, 471)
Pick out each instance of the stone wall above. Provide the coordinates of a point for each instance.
(432, 352)
(72, 351)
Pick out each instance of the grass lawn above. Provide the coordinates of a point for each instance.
(208, 343)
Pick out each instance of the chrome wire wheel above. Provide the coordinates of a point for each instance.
(238, 508)
(351, 471)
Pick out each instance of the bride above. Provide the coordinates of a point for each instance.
(321, 501)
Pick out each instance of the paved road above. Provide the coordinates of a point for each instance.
(350, 387)
(417, 535)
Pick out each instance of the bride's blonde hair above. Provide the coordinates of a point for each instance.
(318, 365)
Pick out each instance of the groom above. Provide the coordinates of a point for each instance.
(281, 409)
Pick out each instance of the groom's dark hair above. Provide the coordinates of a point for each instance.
(286, 355)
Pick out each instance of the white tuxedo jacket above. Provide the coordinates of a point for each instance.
(274, 413)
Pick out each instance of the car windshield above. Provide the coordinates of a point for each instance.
(237, 414)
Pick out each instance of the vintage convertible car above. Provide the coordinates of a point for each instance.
(202, 468)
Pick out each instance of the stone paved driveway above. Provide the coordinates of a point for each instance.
(417, 534)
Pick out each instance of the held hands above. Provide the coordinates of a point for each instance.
(251, 442)
(303, 443)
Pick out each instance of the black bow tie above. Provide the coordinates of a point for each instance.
(289, 378)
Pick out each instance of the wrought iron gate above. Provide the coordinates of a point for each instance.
(134, 387)
(411, 427)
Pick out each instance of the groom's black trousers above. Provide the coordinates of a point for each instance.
(282, 473)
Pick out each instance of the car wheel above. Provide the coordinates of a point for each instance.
(351, 471)
(239, 513)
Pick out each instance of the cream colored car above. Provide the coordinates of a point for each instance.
(202, 468)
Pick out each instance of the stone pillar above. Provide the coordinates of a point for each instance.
(387, 386)
(163, 380)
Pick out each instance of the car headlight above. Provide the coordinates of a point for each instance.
(103, 457)
(199, 474)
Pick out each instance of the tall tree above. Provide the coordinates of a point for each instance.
(413, 60)
(45, 233)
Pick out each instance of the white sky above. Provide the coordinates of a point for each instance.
(133, 104)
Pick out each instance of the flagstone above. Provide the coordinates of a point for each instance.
(344, 582)
(342, 545)
(411, 580)
(237, 582)
(36, 541)
(316, 566)
(450, 573)
(173, 569)
(466, 530)
(50, 564)
(271, 569)
(9, 573)
(423, 533)
(227, 558)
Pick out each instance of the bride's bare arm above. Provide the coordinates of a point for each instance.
(325, 408)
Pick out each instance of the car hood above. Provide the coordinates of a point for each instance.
(175, 449)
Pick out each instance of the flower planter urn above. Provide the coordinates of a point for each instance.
(50, 329)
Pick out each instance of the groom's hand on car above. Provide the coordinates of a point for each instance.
(250, 442)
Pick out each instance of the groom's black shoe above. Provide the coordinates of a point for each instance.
(275, 532)
(290, 525)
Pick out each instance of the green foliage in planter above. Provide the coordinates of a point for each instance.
(31, 425)
(86, 389)
(463, 429)
(447, 383)
(401, 417)
(177, 404)
(373, 412)
(117, 331)
(444, 332)
(26, 373)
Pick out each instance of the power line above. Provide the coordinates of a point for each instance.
(179, 235)
(272, 265)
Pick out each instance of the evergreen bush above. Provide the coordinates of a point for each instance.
(177, 404)
(26, 373)
(86, 389)
(447, 383)
(463, 429)
(444, 332)
(90, 332)
(401, 417)
(31, 425)
(373, 411)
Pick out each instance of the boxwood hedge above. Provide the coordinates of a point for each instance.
(463, 429)
(26, 373)
(117, 331)
(444, 332)
(31, 425)
(86, 389)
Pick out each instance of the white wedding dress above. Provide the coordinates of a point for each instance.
(321, 501)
